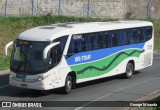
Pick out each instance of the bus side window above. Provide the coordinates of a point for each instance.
(141, 33)
(79, 45)
(62, 44)
(124, 37)
(135, 36)
(92, 41)
(76, 45)
(100, 40)
(88, 43)
(83, 43)
(148, 33)
(110, 40)
(130, 36)
(114, 39)
(96, 43)
(71, 47)
(105, 37)
(127, 37)
(121, 38)
(126, 34)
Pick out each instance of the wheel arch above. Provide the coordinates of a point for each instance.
(133, 63)
(74, 77)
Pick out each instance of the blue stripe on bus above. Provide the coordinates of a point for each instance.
(89, 56)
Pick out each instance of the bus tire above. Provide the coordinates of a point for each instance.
(129, 70)
(68, 85)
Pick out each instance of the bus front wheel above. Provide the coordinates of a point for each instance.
(68, 84)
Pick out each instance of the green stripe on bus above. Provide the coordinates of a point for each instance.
(97, 68)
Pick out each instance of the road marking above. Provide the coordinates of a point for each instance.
(4, 86)
(114, 92)
(92, 101)
(99, 98)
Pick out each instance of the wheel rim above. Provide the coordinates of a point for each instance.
(129, 70)
(68, 85)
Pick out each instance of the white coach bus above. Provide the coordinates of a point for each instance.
(62, 55)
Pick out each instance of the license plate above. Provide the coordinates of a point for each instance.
(20, 76)
(24, 85)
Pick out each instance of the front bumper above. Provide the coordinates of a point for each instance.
(39, 85)
(31, 82)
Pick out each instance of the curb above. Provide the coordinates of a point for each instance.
(150, 96)
(4, 72)
(156, 52)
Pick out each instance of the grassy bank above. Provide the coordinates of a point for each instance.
(10, 27)
(156, 24)
(154, 108)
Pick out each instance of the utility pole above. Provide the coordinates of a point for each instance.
(59, 7)
(6, 3)
(88, 9)
(32, 7)
(124, 9)
(149, 9)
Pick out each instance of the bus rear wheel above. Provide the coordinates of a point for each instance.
(129, 71)
(68, 85)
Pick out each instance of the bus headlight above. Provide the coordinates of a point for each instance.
(10, 76)
(40, 78)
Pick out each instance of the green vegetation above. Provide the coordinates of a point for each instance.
(156, 34)
(11, 27)
(154, 108)
(145, 108)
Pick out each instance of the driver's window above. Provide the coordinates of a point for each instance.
(56, 52)
(53, 59)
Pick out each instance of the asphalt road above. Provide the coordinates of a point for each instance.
(108, 89)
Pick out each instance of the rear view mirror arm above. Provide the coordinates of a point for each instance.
(6, 47)
(45, 52)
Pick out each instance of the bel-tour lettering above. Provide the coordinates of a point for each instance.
(82, 58)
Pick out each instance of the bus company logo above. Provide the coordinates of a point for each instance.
(6, 104)
(82, 58)
(76, 37)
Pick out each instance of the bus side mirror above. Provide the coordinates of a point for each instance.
(6, 47)
(46, 50)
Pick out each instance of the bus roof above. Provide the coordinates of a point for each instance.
(50, 32)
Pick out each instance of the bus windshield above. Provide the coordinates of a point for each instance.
(27, 57)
